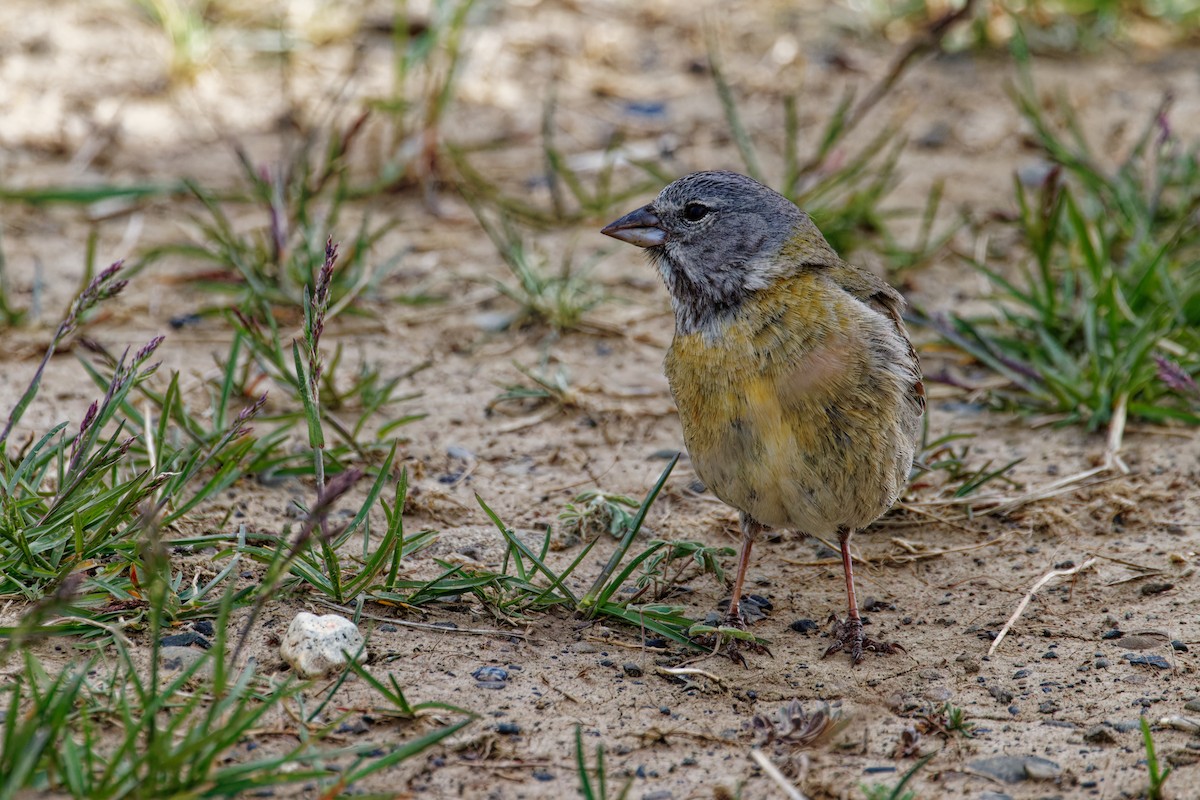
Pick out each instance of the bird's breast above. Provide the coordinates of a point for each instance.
(782, 420)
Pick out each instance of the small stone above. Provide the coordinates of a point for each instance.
(186, 639)
(582, 647)
(805, 626)
(490, 676)
(1112, 633)
(1041, 769)
(1141, 641)
(1178, 646)
(1155, 587)
(1158, 662)
(1014, 769)
(1102, 663)
(508, 728)
(632, 670)
(1192, 705)
(314, 645)
(204, 627)
(1049, 655)
(1021, 673)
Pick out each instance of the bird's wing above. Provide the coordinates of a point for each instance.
(880, 296)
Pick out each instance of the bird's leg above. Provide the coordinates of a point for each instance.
(750, 530)
(848, 635)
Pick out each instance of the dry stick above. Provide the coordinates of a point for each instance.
(775, 775)
(1028, 598)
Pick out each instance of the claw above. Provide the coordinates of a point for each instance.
(848, 637)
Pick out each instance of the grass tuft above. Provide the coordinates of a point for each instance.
(1108, 288)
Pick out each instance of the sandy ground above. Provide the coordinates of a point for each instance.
(84, 97)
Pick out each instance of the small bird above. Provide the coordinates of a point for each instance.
(798, 388)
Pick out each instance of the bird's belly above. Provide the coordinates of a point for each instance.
(812, 466)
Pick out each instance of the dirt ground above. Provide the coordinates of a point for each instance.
(84, 97)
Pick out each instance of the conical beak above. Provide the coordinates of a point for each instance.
(641, 227)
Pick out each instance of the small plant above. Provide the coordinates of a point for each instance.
(595, 511)
(594, 786)
(960, 478)
(426, 57)
(1157, 774)
(793, 726)
(543, 297)
(879, 791)
(947, 720)
(268, 265)
(182, 21)
(544, 388)
(572, 199)
(842, 193)
(1108, 284)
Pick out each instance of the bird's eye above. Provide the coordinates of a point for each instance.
(694, 212)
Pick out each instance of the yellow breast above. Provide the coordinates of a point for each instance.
(779, 413)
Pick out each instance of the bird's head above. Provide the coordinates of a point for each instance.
(718, 237)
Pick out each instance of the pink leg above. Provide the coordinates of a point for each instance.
(750, 531)
(848, 635)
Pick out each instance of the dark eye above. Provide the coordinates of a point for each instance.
(694, 212)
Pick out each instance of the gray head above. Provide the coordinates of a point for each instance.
(716, 238)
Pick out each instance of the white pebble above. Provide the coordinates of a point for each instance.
(313, 645)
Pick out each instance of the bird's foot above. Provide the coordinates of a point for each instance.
(729, 635)
(848, 637)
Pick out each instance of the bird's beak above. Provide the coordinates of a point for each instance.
(641, 227)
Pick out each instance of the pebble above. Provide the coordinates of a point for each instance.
(1099, 734)
(1155, 587)
(805, 626)
(490, 677)
(186, 639)
(1178, 646)
(314, 645)
(1147, 661)
(1014, 769)
(1192, 705)
(1141, 641)
(632, 670)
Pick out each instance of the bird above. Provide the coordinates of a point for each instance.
(798, 388)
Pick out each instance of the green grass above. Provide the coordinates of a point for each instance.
(84, 512)
(881, 791)
(558, 298)
(593, 781)
(842, 189)
(1156, 773)
(1106, 286)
